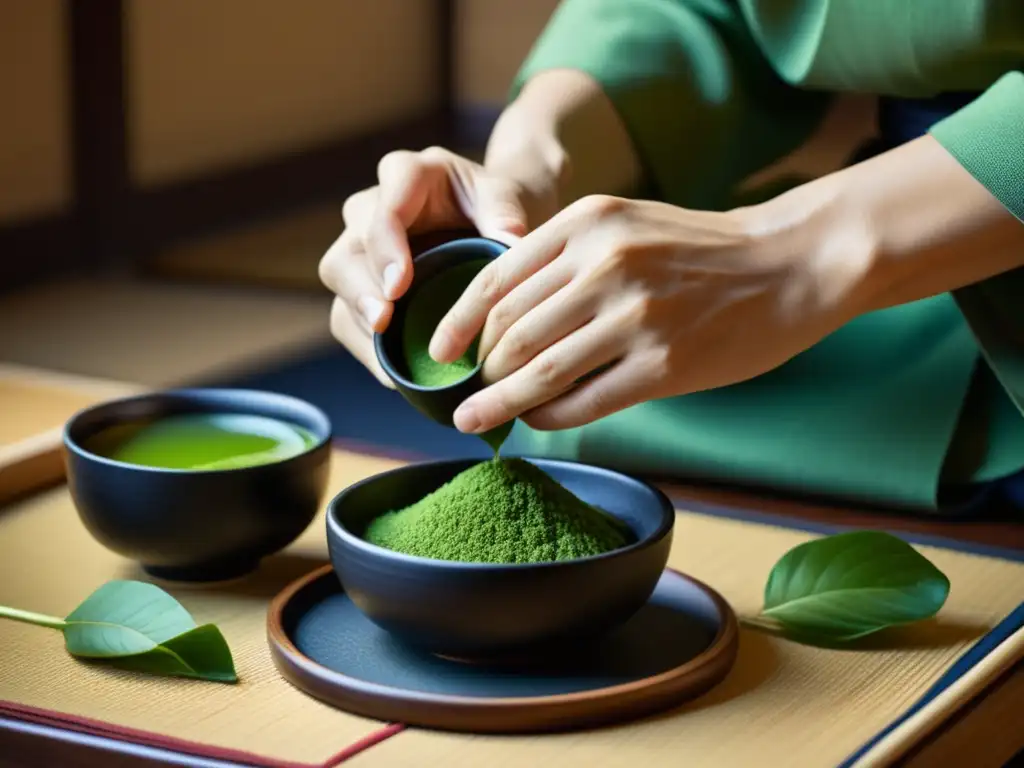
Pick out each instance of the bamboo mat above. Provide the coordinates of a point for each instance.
(784, 704)
(49, 563)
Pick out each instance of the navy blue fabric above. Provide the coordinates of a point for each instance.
(902, 120)
(359, 407)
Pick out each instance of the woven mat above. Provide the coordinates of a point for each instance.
(784, 704)
(49, 563)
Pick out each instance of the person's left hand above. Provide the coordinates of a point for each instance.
(673, 301)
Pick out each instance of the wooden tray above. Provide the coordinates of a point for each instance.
(679, 646)
(34, 405)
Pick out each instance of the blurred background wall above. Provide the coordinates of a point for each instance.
(35, 174)
(218, 92)
(133, 131)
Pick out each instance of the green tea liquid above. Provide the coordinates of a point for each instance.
(205, 441)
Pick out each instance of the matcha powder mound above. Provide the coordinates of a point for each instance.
(499, 511)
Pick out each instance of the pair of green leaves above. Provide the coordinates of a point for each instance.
(840, 588)
(138, 626)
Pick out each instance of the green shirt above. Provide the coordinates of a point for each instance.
(899, 403)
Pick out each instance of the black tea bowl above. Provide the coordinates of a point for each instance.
(492, 612)
(437, 403)
(196, 525)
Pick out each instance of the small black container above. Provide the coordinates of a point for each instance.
(191, 525)
(437, 403)
(487, 612)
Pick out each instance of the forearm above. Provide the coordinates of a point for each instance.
(562, 139)
(910, 224)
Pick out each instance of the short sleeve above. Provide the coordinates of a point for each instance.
(987, 139)
(702, 105)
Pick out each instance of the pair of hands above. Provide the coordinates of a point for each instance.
(664, 300)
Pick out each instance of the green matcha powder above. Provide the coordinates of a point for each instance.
(500, 511)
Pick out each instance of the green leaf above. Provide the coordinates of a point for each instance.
(141, 627)
(846, 586)
(123, 618)
(200, 653)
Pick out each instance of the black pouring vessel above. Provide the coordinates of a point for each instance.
(196, 525)
(492, 612)
(437, 403)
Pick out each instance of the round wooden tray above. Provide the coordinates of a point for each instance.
(681, 644)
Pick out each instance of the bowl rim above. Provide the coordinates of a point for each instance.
(336, 529)
(378, 338)
(194, 394)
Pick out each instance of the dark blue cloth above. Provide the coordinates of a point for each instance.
(902, 120)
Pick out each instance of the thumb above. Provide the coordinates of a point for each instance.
(497, 211)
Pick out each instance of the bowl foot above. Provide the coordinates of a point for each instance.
(219, 571)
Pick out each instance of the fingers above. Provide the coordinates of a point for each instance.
(497, 211)
(543, 310)
(406, 181)
(346, 270)
(544, 378)
(465, 319)
(370, 265)
(353, 333)
(621, 386)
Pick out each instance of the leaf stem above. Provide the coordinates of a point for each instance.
(28, 617)
(761, 622)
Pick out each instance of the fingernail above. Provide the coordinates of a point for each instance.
(392, 276)
(371, 309)
(441, 346)
(466, 419)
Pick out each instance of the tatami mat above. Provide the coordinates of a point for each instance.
(784, 704)
(157, 334)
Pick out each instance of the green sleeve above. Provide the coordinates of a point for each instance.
(987, 138)
(703, 107)
(909, 48)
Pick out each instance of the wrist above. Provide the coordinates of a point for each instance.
(912, 223)
(826, 246)
(562, 139)
(530, 154)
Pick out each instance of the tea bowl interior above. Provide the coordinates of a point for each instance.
(438, 403)
(484, 611)
(196, 525)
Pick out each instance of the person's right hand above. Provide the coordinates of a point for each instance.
(370, 266)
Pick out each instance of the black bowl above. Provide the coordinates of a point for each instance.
(191, 525)
(479, 611)
(437, 403)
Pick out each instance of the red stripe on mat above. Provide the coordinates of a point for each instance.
(92, 727)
